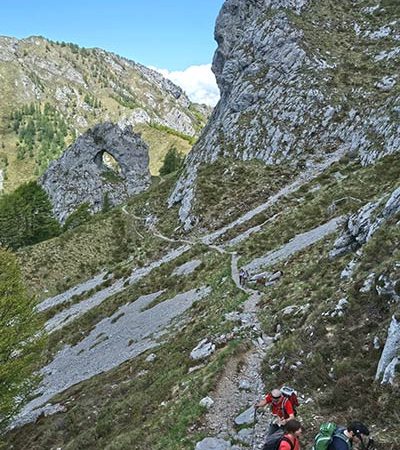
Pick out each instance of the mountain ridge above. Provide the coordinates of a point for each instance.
(84, 87)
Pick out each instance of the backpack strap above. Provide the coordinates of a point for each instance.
(289, 442)
(339, 433)
(284, 412)
(283, 406)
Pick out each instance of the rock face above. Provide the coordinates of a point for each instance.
(81, 176)
(363, 224)
(289, 97)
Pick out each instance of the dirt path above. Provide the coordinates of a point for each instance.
(241, 385)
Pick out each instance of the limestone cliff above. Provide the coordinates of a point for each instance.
(300, 80)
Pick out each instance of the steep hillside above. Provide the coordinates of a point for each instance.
(323, 324)
(53, 91)
(301, 81)
(154, 343)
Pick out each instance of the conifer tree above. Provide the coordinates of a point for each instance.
(172, 161)
(21, 339)
(26, 217)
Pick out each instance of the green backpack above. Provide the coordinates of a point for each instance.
(327, 431)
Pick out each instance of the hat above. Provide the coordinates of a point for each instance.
(358, 428)
(276, 393)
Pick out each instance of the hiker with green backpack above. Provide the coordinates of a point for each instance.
(333, 437)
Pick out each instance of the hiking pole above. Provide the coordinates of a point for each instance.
(254, 428)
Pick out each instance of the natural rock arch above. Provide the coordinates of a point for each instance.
(80, 175)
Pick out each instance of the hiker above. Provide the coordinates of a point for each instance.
(355, 433)
(286, 438)
(293, 430)
(245, 277)
(332, 437)
(281, 407)
(241, 277)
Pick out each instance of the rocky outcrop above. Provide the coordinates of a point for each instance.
(390, 357)
(281, 98)
(81, 176)
(363, 224)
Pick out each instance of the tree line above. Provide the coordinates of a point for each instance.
(41, 132)
(26, 217)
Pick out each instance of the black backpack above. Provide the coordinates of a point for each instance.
(273, 441)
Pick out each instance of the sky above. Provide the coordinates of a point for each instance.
(174, 36)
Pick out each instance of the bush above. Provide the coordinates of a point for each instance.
(78, 217)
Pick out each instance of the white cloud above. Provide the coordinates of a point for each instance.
(197, 81)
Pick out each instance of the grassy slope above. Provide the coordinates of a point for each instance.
(102, 243)
(245, 185)
(121, 409)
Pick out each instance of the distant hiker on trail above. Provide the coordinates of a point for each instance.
(332, 437)
(282, 407)
(245, 277)
(286, 438)
(241, 277)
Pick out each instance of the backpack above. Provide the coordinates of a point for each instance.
(327, 431)
(289, 394)
(274, 440)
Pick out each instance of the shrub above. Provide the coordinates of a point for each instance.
(78, 217)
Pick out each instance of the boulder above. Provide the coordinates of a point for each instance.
(386, 83)
(203, 350)
(245, 436)
(390, 354)
(206, 402)
(244, 385)
(151, 358)
(213, 444)
(246, 417)
(363, 224)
